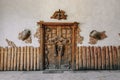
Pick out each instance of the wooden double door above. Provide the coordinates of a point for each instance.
(58, 45)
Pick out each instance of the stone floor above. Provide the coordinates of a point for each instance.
(66, 75)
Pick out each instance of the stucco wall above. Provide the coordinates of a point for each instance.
(17, 15)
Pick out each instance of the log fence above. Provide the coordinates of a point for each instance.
(29, 58)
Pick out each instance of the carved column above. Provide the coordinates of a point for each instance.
(42, 29)
(74, 27)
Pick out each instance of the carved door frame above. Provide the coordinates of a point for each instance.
(73, 25)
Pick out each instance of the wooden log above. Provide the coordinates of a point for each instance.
(92, 57)
(115, 59)
(80, 58)
(103, 58)
(12, 58)
(111, 57)
(77, 58)
(21, 58)
(119, 57)
(84, 57)
(9, 59)
(107, 58)
(5, 58)
(96, 57)
(18, 58)
(15, 58)
(2, 59)
(28, 59)
(88, 57)
(31, 58)
(25, 58)
(38, 58)
(35, 59)
(99, 59)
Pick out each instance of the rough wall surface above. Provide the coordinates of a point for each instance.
(100, 15)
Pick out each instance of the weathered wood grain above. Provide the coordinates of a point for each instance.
(80, 58)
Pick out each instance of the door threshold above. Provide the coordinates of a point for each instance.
(55, 71)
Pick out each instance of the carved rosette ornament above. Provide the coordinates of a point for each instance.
(79, 37)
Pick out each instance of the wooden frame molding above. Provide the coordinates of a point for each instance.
(72, 25)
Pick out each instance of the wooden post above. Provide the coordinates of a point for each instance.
(5, 58)
(103, 58)
(31, 58)
(35, 64)
(0, 58)
(42, 46)
(80, 58)
(88, 57)
(12, 58)
(28, 59)
(77, 58)
(92, 58)
(111, 57)
(99, 58)
(84, 57)
(115, 58)
(38, 58)
(21, 58)
(107, 58)
(15, 58)
(25, 58)
(96, 57)
(9, 58)
(119, 57)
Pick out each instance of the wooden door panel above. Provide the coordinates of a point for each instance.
(55, 59)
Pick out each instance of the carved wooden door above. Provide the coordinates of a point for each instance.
(58, 45)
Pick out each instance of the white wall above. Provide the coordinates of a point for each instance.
(17, 15)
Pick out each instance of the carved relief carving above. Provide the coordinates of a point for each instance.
(59, 15)
(10, 43)
(79, 37)
(95, 36)
(37, 34)
(57, 38)
(25, 36)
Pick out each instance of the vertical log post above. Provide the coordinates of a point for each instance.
(77, 58)
(107, 58)
(88, 57)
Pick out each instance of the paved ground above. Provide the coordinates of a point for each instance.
(67, 75)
